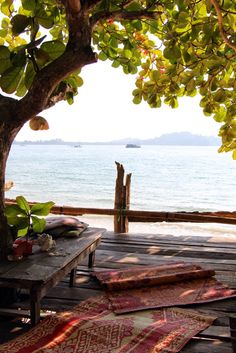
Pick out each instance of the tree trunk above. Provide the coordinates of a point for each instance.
(7, 134)
(5, 234)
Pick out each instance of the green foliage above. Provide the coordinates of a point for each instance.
(26, 219)
(175, 49)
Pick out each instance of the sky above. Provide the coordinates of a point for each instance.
(103, 111)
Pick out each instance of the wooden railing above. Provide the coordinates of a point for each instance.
(123, 215)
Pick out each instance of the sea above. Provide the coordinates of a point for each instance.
(164, 178)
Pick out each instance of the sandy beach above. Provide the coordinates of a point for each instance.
(213, 230)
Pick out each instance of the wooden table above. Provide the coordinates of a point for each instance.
(41, 271)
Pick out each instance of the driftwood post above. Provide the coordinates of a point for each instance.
(122, 200)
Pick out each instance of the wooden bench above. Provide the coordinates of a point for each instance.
(41, 271)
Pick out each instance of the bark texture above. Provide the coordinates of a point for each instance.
(8, 131)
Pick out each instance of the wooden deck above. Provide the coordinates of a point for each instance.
(125, 250)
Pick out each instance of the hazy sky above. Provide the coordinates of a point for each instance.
(103, 111)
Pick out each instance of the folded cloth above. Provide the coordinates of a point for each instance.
(63, 226)
(146, 276)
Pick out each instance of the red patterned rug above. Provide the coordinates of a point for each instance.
(93, 328)
(174, 284)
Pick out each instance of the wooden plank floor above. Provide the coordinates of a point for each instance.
(126, 250)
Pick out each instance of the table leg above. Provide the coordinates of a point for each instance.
(34, 307)
(72, 277)
(91, 259)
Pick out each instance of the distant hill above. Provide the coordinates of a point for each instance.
(186, 139)
(173, 139)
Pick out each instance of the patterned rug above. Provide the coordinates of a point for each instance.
(174, 284)
(93, 328)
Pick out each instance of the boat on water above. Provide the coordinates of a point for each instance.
(132, 145)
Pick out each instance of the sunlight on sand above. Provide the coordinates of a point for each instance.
(224, 231)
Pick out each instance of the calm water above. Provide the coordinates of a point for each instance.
(169, 178)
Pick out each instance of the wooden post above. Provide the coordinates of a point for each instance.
(122, 200)
(127, 201)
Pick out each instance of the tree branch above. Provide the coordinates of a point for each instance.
(90, 4)
(124, 15)
(221, 27)
(7, 106)
(59, 94)
(77, 54)
(38, 97)
(126, 3)
(74, 6)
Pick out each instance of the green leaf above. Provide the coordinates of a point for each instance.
(29, 75)
(5, 62)
(42, 57)
(134, 6)
(5, 23)
(132, 69)
(174, 103)
(79, 81)
(190, 85)
(208, 110)
(115, 64)
(137, 100)
(102, 56)
(72, 82)
(18, 222)
(3, 33)
(10, 79)
(19, 24)
(53, 48)
(12, 211)
(113, 43)
(6, 7)
(155, 75)
(70, 98)
(167, 53)
(127, 53)
(220, 115)
(42, 209)
(22, 232)
(38, 224)
(23, 204)
(183, 19)
(44, 19)
(21, 89)
(220, 96)
(29, 4)
(208, 5)
(137, 24)
(19, 59)
(176, 52)
(234, 154)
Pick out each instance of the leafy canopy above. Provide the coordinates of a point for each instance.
(174, 48)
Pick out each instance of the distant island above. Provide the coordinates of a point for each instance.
(132, 145)
(172, 139)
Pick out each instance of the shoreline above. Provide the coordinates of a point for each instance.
(225, 232)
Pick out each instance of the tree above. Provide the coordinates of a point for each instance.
(175, 48)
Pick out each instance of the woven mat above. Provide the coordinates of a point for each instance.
(173, 284)
(93, 328)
